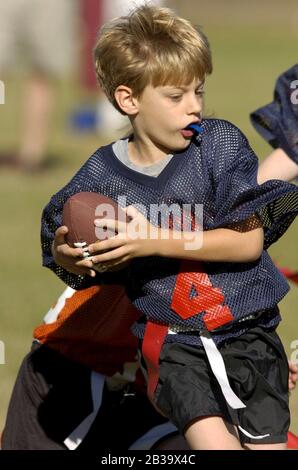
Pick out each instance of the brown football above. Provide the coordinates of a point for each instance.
(79, 213)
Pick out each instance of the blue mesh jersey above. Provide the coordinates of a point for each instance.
(218, 170)
(277, 122)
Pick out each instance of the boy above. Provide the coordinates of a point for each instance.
(81, 390)
(49, 403)
(277, 122)
(152, 66)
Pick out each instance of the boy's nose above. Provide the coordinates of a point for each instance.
(194, 106)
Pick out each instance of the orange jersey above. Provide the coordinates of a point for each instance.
(92, 327)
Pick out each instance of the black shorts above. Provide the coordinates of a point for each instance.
(257, 369)
(52, 396)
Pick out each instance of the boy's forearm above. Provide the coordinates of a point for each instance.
(221, 245)
(278, 165)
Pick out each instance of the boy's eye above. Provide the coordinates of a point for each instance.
(176, 97)
(200, 92)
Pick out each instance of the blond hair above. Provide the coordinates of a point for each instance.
(150, 46)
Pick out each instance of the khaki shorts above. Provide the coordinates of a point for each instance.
(40, 33)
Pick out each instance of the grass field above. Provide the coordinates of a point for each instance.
(251, 46)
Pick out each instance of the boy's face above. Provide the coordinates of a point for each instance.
(164, 113)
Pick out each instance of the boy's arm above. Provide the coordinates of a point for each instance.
(218, 245)
(240, 243)
(277, 123)
(237, 198)
(278, 165)
(68, 266)
(68, 263)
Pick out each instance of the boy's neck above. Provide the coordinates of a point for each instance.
(145, 153)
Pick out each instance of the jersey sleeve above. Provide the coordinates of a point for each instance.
(84, 180)
(237, 194)
(277, 122)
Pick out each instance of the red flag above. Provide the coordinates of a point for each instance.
(291, 275)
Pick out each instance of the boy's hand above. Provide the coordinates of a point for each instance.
(293, 375)
(137, 238)
(69, 258)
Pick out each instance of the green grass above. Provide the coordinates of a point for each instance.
(247, 59)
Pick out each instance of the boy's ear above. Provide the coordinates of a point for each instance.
(126, 101)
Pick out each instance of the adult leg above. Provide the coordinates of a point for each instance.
(50, 37)
(37, 110)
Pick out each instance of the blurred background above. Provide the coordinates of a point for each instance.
(54, 118)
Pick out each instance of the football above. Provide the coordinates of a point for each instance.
(79, 213)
